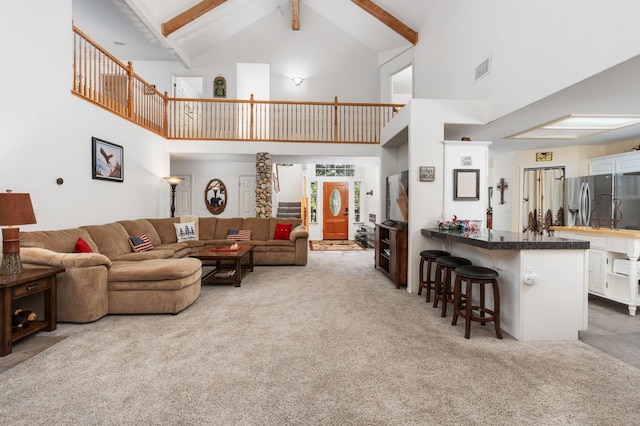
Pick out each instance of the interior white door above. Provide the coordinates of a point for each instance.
(183, 196)
(247, 196)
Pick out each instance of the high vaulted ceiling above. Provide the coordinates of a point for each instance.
(193, 27)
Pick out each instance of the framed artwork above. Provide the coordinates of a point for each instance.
(466, 184)
(107, 160)
(219, 87)
(427, 173)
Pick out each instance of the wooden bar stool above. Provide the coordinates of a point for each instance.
(429, 256)
(445, 266)
(463, 305)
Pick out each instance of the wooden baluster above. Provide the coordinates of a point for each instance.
(335, 119)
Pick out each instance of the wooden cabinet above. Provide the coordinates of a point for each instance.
(16, 286)
(391, 251)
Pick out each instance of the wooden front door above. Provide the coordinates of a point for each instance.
(335, 211)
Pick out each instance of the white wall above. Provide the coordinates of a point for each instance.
(203, 171)
(331, 62)
(47, 131)
(536, 48)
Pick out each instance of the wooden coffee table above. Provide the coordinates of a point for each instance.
(230, 265)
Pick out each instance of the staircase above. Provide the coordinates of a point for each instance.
(289, 209)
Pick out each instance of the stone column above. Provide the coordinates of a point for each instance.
(263, 184)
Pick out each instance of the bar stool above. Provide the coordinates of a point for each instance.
(429, 256)
(445, 266)
(463, 305)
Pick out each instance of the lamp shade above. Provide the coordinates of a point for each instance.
(16, 209)
(173, 180)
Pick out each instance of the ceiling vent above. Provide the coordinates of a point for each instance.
(483, 69)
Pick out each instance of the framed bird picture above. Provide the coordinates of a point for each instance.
(108, 160)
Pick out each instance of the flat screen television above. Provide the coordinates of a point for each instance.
(397, 198)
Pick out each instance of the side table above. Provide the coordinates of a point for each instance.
(16, 286)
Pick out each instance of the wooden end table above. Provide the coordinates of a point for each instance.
(16, 286)
(230, 265)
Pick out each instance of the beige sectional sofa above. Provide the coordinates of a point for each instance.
(115, 279)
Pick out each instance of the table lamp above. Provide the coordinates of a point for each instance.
(15, 209)
(173, 181)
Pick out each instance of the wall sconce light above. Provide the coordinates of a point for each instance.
(297, 80)
(370, 192)
(15, 209)
(173, 181)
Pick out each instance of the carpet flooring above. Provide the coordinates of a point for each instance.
(334, 245)
(331, 343)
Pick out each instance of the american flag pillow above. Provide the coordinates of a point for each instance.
(140, 243)
(239, 234)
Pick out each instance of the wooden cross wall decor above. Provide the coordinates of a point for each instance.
(502, 185)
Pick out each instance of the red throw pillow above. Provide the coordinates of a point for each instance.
(82, 247)
(282, 231)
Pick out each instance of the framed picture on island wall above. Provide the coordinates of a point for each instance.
(466, 184)
(107, 160)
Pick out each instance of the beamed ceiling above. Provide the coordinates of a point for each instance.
(185, 29)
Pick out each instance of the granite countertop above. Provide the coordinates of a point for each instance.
(504, 240)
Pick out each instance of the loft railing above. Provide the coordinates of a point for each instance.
(105, 81)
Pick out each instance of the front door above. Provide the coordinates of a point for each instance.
(335, 211)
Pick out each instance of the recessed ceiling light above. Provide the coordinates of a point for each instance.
(576, 126)
(119, 43)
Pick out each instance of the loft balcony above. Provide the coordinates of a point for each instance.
(102, 79)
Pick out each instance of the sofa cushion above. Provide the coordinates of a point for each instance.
(140, 243)
(259, 227)
(153, 270)
(196, 223)
(239, 234)
(141, 226)
(82, 246)
(112, 239)
(61, 241)
(224, 224)
(165, 229)
(273, 221)
(207, 227)
(282, 231)
(185, 231)
(146, 255)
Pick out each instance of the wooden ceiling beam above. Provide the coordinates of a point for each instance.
(189, 16)
(389, 20)
(295, 12)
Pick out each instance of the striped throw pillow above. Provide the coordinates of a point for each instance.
(239, 234)
(140, 243)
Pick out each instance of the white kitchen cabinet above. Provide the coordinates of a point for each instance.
(602, 166)
(627, 162)
(609, 247)
(597, 270)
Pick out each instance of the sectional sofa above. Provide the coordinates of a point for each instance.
(106, 273)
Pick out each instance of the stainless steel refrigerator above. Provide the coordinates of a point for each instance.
(590, 197)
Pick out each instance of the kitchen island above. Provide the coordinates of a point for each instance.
(613, 262)
(543, 280)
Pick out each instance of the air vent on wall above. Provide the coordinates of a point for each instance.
(483, 69)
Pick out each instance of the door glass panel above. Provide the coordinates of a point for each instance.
(335, 202)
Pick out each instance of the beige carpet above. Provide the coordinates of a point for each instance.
(331, 343)
(334, 245)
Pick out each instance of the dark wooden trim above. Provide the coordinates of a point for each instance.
(189, 16)
(389, 20)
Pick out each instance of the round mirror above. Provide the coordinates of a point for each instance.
(215, 196)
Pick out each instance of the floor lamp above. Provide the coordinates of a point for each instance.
(173, 181)
(15, 209)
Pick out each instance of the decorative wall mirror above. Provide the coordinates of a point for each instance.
(215, 196)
